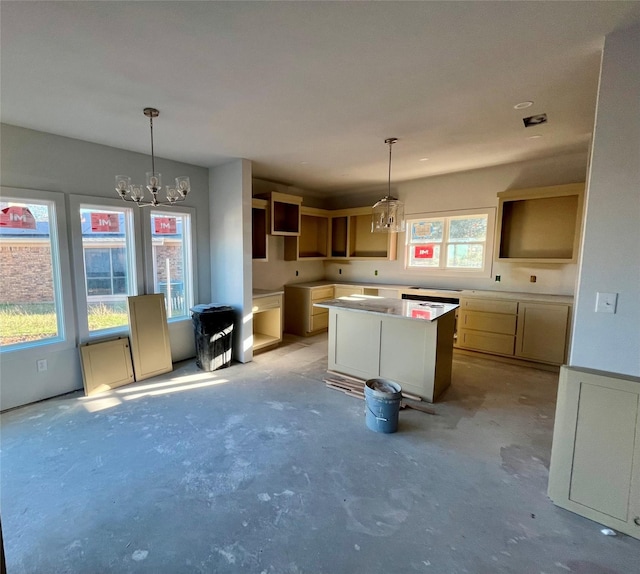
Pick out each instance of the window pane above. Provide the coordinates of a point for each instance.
(465, 255)
(107, 243)
(424, 255)
(30, 309)
(472, 229)
(427, 231)
(170, 235)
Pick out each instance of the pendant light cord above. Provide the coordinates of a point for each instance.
(153, 162)
(389, 185)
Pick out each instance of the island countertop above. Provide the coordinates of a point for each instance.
(401, 308)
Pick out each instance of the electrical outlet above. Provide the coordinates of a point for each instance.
(606, 302)
(42, 365)
(296, 272)
(340, 271)
(375, 272)
(498, 278)
(533, 278)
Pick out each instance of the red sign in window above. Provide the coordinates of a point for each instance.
(102, 222)
(166, 225)
(423, 251)
(17, 217)
(421, 314)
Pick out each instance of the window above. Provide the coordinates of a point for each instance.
(30, 282)
(172, 260)
(455, 242)
(109, 265)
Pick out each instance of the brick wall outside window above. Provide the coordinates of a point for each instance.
(25, 274)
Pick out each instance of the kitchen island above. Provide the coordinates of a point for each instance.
(410, 342)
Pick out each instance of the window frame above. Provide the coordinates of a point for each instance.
(191, 280)
(84, 201)
(62, 283)
(447, 216)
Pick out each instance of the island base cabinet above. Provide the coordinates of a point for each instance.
(416, 354)
(595, 458)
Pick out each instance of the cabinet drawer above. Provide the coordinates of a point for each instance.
(322, 293)
(490, 305)
(493, 322)
(489, 342)
(321, 321)
(319, 310)
(270, 302)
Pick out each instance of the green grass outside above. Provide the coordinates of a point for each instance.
(32, 322)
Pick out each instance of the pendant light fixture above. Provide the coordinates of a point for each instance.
(135, 192)
(388, 213)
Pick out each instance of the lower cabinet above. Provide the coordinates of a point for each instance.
(346, 290)
(542, 332)
(536, 331)
(416, 354)
(595, 456)
(300, 316)
(267, 321)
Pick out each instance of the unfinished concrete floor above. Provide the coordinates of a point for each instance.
(260, 468)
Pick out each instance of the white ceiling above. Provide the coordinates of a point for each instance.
(309, 90)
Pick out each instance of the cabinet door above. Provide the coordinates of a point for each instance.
(603, 453)
(542, 332)
(595, 456)
(150, 347)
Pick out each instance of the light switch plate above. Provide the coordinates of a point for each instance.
(606, 302)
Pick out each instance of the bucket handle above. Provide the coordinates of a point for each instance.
(376, 416)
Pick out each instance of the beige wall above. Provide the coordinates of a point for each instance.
(464, 190)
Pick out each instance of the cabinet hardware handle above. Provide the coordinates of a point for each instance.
(636, 520)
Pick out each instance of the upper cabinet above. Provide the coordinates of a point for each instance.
(540, 225)
(313, 241)
(259, 212)
(351, 236)
(285, 213)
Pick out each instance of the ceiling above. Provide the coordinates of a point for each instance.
(308, 91)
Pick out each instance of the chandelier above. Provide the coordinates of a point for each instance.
(388, 213)
(135, 192)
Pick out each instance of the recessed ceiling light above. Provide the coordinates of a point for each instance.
(522, 105)
(424, 159)
(537, 136)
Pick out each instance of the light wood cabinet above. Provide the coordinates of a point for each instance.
(267, 320)
(531, 330)
(540, 224)
(259, 226)
(346, 290)
(595, 456)
(487, 325)
(351, 237)
(300, 316)
(284, 211)
(542, 332)
(313, 241)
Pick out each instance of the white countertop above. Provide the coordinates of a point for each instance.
(402, 308)
(453, 293)
(266, 292)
